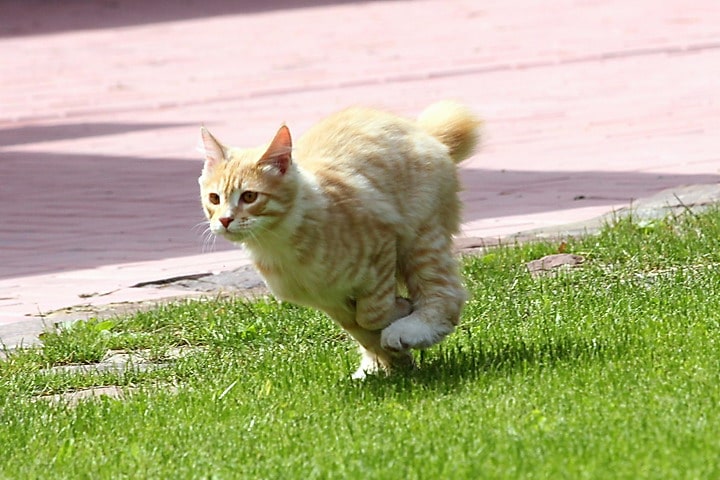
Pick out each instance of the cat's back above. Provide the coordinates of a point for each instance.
(374, 164)
(357, 137)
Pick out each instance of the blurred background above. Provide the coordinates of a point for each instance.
(587, 105)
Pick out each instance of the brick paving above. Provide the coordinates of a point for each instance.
(587, 106)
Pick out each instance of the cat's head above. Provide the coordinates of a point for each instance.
(245, 193)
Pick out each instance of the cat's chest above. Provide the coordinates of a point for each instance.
(302, 285)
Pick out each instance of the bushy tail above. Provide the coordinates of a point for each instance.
(454, 125)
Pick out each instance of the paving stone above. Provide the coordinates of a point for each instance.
(242, 279)
(550, 264)
(85, 394)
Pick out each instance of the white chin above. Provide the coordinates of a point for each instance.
(234, 236)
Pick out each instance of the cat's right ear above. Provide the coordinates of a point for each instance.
(213, 150)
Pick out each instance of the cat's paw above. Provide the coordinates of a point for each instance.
(367, 369)
(411, 332)
(360, 374)
(369, 365)
(394, 362)
(404, 334)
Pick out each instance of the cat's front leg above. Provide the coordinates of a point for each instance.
(376, 303)
(370, 321)
(373, 313)
(374, 358)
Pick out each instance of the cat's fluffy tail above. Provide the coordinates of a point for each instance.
(454, 125)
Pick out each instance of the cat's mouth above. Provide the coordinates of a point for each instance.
(235, 237)
(232, 230)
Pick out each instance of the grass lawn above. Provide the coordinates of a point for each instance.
(608, 370)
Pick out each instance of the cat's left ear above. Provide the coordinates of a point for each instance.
(279, 153)
(212, 149)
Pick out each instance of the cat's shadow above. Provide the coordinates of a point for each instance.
(446, 368)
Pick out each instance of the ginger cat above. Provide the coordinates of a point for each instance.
(359, 212)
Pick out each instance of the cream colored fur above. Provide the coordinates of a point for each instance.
(356, 219)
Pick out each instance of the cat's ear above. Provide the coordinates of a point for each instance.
(213, 150)
(279, 153)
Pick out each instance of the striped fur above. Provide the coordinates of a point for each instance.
(357, 221)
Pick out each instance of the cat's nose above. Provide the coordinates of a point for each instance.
(226, 221)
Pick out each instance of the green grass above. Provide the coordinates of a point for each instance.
(610, 370)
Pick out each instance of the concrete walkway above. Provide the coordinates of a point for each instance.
(587, 106)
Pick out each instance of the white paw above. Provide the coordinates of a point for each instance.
(410, 332)
(392, 340)
(369, 365)
(360, 374)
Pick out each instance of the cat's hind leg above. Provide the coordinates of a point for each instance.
(434, 283)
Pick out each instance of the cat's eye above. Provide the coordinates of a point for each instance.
(214, 198)
(248, 196)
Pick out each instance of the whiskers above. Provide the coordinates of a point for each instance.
(261, 234)
(209, 239)
(255, 233)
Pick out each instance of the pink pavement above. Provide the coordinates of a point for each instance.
(587, 106)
